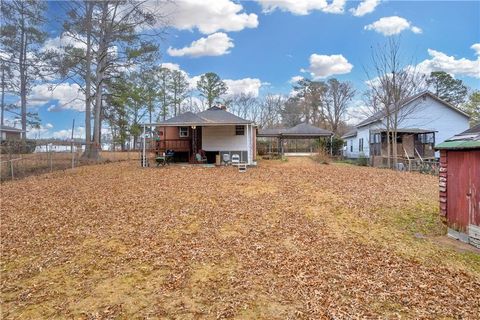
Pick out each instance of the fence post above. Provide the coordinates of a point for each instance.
(11, 168)
(51, 160)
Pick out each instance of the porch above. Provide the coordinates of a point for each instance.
(414, 148)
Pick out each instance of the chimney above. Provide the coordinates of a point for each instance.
(223, 107)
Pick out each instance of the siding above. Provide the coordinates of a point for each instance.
(223, 138)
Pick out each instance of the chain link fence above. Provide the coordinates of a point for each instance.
(50, 157)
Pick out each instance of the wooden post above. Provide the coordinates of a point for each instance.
(71, 145)
(11, 168)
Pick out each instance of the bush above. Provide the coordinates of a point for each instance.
(322, 157)
(18, 146)
(362, 161)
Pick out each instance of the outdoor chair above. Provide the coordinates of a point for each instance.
(200, 159)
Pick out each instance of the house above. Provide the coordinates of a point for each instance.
(10, 133)
(213, 132)
(423, 120)
(460, 185)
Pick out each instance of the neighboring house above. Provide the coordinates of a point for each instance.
(10, 133)
(424, 120)
(460, 185)
(214, 131)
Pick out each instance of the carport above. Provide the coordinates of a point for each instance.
(302, 131)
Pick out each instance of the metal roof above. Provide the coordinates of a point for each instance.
(212, 116)
(10, 129)
(351, 133)
(469, 139)
(300, 130)
(379, 115)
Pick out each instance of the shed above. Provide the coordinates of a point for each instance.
(10, 133)
(460, 185)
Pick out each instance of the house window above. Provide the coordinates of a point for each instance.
(426, 138)
(376, 138)
(239, 130)
(360, 144)
(351, 145)
(183, 132)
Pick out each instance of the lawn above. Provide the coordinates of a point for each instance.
(285, 240)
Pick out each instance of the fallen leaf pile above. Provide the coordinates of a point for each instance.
(281, 241)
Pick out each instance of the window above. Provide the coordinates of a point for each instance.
(376, 138)
(183, 132)
(239, 130)
(360, 144)
(426, 138)
(351, 145)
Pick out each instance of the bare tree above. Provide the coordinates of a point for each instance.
(336, 102)
(393, 83)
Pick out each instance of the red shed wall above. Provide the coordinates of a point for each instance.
(461, 169)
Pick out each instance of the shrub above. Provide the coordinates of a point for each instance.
(322, 157)
(362, 161)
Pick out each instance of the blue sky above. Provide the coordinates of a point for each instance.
(260, 45)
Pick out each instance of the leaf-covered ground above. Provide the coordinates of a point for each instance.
(285, 240)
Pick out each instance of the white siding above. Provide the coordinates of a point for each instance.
(352, 147)
(223, 138)
(428, 114)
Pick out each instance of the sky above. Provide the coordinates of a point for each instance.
(261, 47)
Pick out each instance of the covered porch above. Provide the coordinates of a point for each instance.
(413, 145)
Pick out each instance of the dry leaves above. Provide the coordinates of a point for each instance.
(284, 240)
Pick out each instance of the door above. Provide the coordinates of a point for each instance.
(463, 191)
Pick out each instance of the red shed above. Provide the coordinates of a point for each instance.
(460, 185)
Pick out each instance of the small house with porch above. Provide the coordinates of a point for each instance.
(10, 133)
(460, 185)
(201, 137)
(422, 121)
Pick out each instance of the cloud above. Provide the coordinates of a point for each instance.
(66, 96)
(476, 47)
(33, 133)
(322, 66)
(389, 26)
(208, 16)
(366, 6)
(64, 40)
(295, 79)
(171, 66)
(302, 7)
(216, 44)
(247, 86)
(440, 61)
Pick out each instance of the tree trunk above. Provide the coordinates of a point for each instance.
(88, 82)
(23, 76)
(3, 95)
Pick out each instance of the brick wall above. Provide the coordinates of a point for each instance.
(442, 184)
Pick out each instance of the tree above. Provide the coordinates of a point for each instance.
(116, 36)
(211, 87)
(178, 88)
(21, 37)
(447, 88)
(270, 108)
(337, 98)
(164, 94)
(394, 81)
(472, 107)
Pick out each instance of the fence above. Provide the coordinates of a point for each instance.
(16, 166)
(429, 166)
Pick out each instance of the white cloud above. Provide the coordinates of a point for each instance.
(64, 40)
(366, 6)
(216, 44)
(78, 132)
(439, 61)
(302, 7)
(247, 86)
(295, 79)
(41, 131)
(171, 66)
(389, 26)
(476, 47)
(208, 16)
(66, 95)
(322, 66)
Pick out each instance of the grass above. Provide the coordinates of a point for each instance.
(292, 239)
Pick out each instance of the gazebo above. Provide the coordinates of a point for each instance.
(301, 131)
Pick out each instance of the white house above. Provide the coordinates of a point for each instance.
(423, 121)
